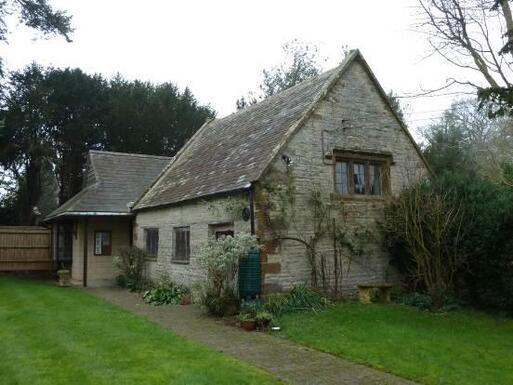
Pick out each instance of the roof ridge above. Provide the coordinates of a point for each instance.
(129, 154)
(277, 95)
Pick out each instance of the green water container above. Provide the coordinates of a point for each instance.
(249, 275)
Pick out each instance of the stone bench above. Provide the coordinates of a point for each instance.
(364, 291)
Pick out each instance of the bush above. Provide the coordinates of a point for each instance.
(300, 298)
(220, 305)
(131, 263)
(220, 259)
(427, 225)
(487, 240)
(166, 295)
(255, 311)
(419, 300)
(483, 274)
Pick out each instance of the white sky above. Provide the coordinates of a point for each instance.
(219, 48)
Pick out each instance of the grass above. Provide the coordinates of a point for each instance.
(457, 348)
(50, 335)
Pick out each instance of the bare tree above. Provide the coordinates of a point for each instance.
(475, 35)
(429, 228)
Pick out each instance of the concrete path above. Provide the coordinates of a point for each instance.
(286, 360)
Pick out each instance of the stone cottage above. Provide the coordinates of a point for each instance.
(308, 170)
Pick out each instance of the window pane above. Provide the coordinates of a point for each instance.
(98, 243)
(182, 248)
(359, 178)
(152, 241)
(102, 243)
(341, 177)
(375, 179)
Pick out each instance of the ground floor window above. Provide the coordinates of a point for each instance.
(182, 239)
(220, 230)
(152, 241)
(102, 243)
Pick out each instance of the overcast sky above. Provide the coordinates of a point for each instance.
(219, 48)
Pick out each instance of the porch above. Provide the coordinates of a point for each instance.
(88, 246)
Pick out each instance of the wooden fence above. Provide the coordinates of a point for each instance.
(25, 248)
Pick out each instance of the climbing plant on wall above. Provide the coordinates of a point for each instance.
(320, 220)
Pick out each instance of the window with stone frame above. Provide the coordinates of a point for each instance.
(151, 236)
(182, 240)
(361, 175)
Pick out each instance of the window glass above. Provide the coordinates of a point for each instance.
(359, 178)
(375, 179)
(341, 184)
(102, 245)
(182, 244)
(152, 241)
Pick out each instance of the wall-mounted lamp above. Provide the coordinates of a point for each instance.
(286, 159)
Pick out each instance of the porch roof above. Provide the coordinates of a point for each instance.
(113, 181)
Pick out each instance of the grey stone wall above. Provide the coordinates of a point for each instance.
(200, 216)
(355, 117)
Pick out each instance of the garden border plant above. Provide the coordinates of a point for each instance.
(220, 259)
(324, 213)
(131, 263)
(167, 293)
(424, 226)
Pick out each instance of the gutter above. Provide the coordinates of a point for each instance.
(87, 214)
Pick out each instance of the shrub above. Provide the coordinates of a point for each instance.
(299, 298)
(166, 293)
(131, 263)
(487, 240)
(219, 305)
(483, 272)
(263, 319)
(427, 225)
(419, 300)
(220, 259)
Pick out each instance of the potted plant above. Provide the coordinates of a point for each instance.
(246, 321)
(186, 299)
(263, 320)
(64, 277)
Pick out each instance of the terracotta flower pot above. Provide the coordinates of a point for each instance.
(248, 325)
(186, 300)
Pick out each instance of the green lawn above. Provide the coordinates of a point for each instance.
(458, 348)
(50, 335)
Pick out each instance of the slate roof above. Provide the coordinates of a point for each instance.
(228, 154)
(112, 181)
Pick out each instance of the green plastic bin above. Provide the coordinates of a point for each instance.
(249, 275)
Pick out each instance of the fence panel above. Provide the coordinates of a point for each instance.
(25, 248)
